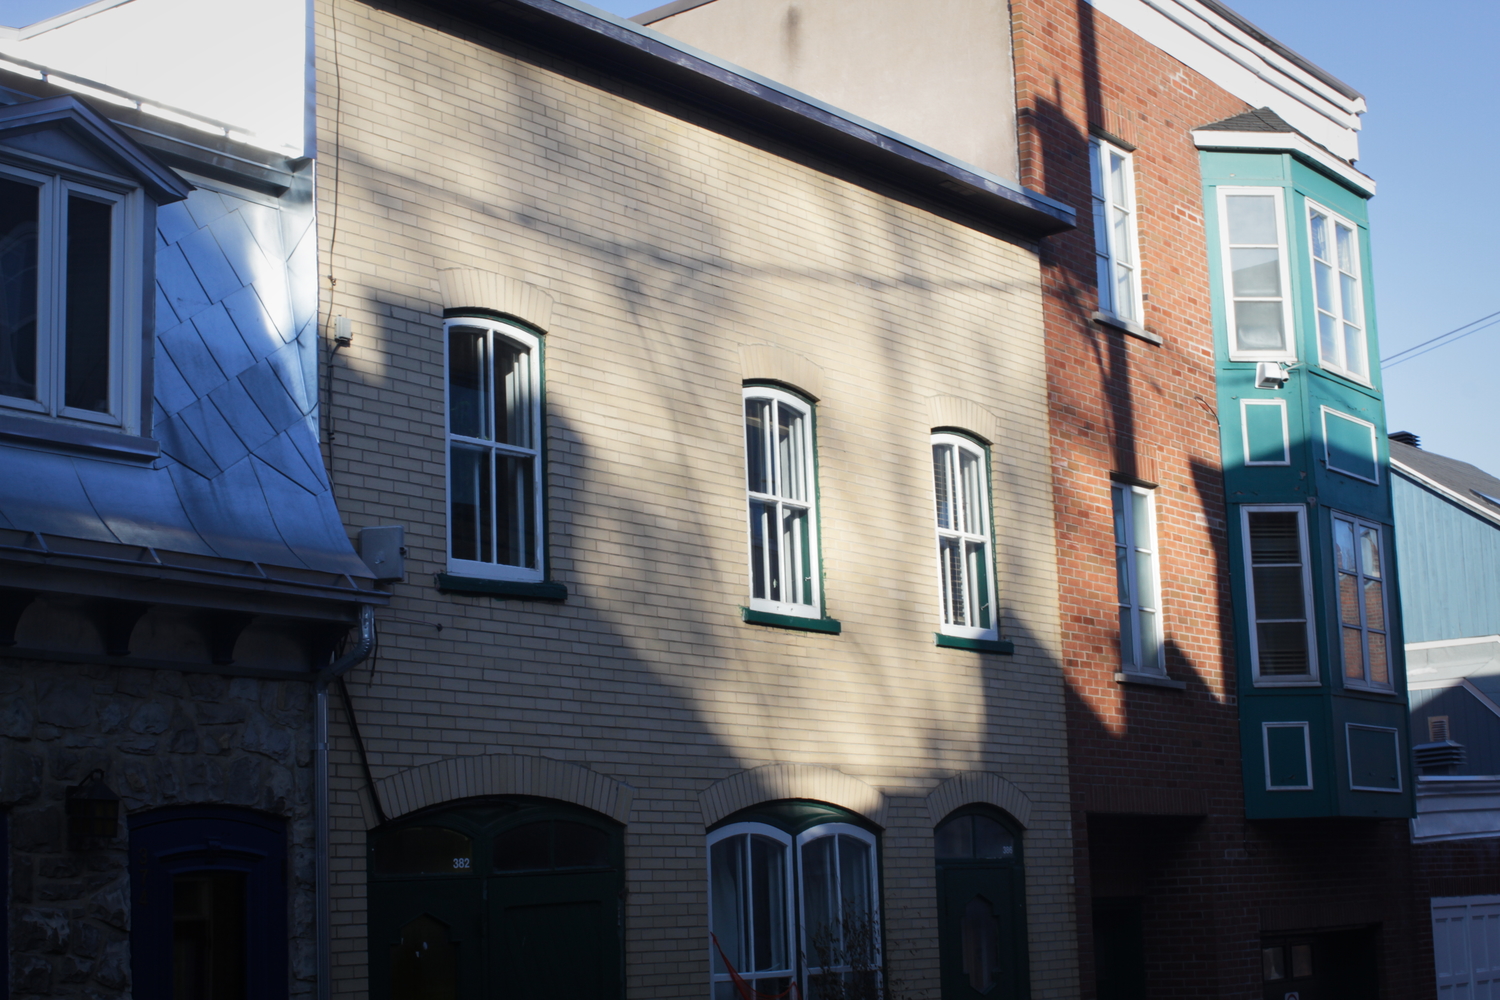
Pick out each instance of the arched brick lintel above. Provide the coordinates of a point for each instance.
(502, 774)
(773, 782)
(965, 415)
(471, 288)
(978, 786)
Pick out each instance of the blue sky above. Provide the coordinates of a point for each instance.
(1431, 141)
(19, 13)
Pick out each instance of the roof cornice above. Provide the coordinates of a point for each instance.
(1288, 142)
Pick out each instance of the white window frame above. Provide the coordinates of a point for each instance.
(802, 968)
(1328, 450)
(1136, 606)
(1227, 270)
(1363, 682)
(1313, 677)
(1114, 260)
(1338, 364)
(56, 184)
(813, 608)
(533, 345)
(971, 530)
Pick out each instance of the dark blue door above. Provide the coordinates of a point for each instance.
(208, 904)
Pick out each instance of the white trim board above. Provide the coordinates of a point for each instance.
(1287, 142)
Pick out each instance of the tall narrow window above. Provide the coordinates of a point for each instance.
(1337, 294)
(1136, 576)
(1115, 241)
(1279, 595)
(961, 485)
(1254, 248)
(779, 479)
(494, 451)
(1361, 584)
(793, 895)
(62, 341)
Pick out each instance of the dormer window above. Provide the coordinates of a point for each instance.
(62, 321)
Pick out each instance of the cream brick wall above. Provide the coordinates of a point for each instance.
(665, 249)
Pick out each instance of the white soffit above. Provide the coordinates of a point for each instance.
(1288, 142)
(1203, 41)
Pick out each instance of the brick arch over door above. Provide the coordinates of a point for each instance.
(775, 782)
(970, 787)
(502, 774)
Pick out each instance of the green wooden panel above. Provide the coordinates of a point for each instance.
(1374, 759)
(1351, 446)
(426, 939)
(1265, 431)
(982, 932)
(1286, 760)
(556, 936)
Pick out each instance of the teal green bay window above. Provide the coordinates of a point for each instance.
(1359, 562)
(1283, 645)
(1337, 294)
(781, 488)
(965, 552)
(494, 451)
(1254, 251)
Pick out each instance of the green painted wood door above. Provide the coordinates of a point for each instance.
(427, 939)
(557, 936)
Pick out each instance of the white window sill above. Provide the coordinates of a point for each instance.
(1129, 326)
(1150, 680)
(492, 571)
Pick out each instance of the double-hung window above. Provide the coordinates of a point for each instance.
(1359, 564)
(1282, 645)
(782, 492)
(1115, 240)
(1136, 572)
(1337, 294)
(494, 450)
(1253, 234)
(800, 907)
(64, 316)
(961, 484)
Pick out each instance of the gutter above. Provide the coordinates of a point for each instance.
(333, 672)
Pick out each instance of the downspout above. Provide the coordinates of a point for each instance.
(322, 887)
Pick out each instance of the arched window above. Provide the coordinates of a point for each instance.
(794, 894)
(965, 552)
(782, 489)
(513, 896)
(981, 906)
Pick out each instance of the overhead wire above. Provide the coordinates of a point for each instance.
(1431, 344)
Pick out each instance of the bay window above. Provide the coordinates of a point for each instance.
(1253, 246)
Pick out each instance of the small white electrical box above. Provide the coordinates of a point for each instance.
(1269, 375)
(342, 335)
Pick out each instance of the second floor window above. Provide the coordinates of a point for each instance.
(62, 290)
(1136, 575)
(961, 485)
(1361, 586)
(1254, 249)
(1337, 294)
(782, 493)
(1115, 242)
(494, 450)
(1279, 595)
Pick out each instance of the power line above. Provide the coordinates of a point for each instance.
(1416, 351)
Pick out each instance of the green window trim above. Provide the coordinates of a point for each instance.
(1003, 646)
(832, 626)
(546, 590)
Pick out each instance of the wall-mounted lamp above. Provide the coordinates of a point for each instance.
(93, 813)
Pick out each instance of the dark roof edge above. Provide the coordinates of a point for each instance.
(667, 10)
(728, 91)
(1295, 58)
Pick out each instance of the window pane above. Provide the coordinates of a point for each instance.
(1117, 178)
(991, 840)
(768, 903)
(1274, 538)
(797, 567)
(942, 484)
(208, 935)
(765, 568)
(726, 862)
(1125, 289)
(90, 225)
(1328, 339)
(854, 877)
(1343, 545)
(1349, 297)
(820, 906)
(1283, 648)
(469, 503)
(950, 555)
(466, 405)
(1278, 593)
(1150, 640)
(1252, 218)
(19, 222)
(1301, 961)
(973, 496)
(1354, 351)
(1122, 238)
(1256, 272)
(791, 448)
(1349, 599)
(1374, 605)
(1346, 248)
(1320, 236)
(423, 850)
(978, 590)
(981, 944)
(1380, 672)
(1145, 579)
(1354, 654)
(1369, 551)
(514, 493)
(524, 848)
(513, 395)
(1323, 285)
(757, 471)
(1128, 634)
(1273, 963)
(1258, 326)
(955, 838)
(579, 845)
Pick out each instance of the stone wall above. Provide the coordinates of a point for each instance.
(162, 738)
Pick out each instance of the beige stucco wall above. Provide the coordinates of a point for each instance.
(937, 71)
(673, 261)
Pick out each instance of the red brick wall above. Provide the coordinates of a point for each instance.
(1118, 403)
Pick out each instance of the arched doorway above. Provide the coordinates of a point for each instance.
(514, 897)
(981, 906)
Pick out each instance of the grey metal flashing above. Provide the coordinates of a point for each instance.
(731, 93)
(80, 437)
(74, 114)
(1296, 59)
(667, 10)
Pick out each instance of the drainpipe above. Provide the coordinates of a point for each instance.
(320, 793)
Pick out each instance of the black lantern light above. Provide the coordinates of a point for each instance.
(93, 813)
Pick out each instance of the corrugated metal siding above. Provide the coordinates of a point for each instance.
(1450, 566)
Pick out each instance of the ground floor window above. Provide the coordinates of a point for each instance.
(208, 908)
(794, 896)
(981, 906)
(514, 897)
